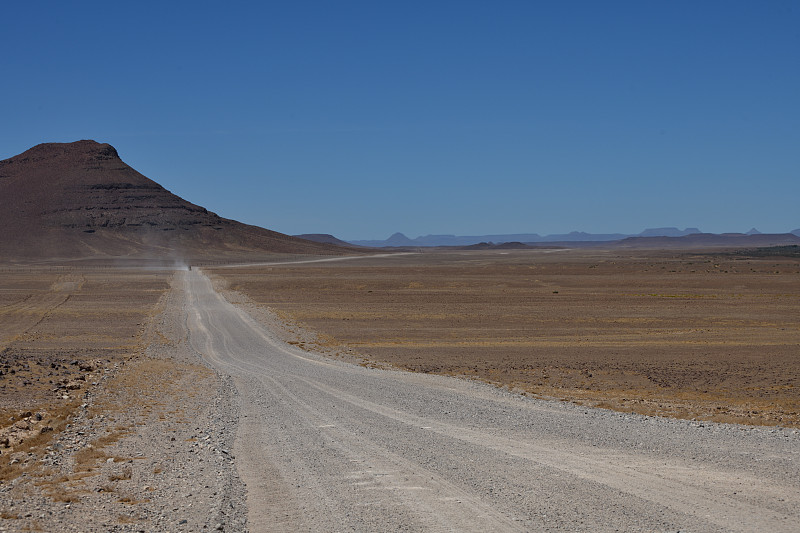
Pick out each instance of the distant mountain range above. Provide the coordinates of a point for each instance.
(669, 236)
(398, 239)
(80, 200)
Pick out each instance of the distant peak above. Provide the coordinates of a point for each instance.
(398, 239)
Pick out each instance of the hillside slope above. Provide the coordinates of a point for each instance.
(75, 200)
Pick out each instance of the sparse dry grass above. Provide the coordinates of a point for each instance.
(61, 331)
(124, 475)
(58, 415)
(90, 347)
(131, 500)
(677, 334)
(87, 458)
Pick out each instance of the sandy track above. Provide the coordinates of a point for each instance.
(328, 446)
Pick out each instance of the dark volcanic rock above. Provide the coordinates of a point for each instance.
(80, 200)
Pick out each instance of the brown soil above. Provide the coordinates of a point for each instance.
(690, 335)
(108, 420)
(61, 332)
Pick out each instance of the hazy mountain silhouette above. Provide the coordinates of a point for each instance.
(400, 240)
(652, 237)
(700, 240)
(73, 200)
(667, 232)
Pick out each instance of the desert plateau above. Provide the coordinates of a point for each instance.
(165, 369)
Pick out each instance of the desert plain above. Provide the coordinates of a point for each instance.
(61, 327)
(708, 335)
(100, 412)
(114, 420)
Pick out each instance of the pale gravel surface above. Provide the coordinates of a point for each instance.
(173, 470)
(280, 439)
(329, 446)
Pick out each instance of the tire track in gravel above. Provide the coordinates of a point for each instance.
(671, 485)
(419, 489)
(323, 445)
(411, 495)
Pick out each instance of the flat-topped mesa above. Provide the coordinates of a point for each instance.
(81, 198)
(85, 185)
(53, 150)
(85, 154)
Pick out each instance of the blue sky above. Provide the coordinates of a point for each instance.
(365, 118)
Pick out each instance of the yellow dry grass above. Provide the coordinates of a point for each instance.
(61, 329)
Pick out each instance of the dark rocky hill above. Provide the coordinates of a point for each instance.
(80, 200)
(324, 238)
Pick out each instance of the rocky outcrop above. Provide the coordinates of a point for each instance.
(80, 199)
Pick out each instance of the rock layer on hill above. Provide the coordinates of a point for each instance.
(73, 200)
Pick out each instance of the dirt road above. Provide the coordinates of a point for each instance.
(328, 446)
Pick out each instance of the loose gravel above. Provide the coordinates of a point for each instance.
(224, 426)
(328, 446)
(149, 450)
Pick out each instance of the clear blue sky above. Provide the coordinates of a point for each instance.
(365, 118)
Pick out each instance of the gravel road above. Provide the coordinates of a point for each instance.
(323, 445)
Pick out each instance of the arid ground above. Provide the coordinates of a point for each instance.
(149, 399)
(60, 325)
(711, 336)
(90, 409)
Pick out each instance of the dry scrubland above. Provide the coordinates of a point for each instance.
(690, 335)
(75, 384)
(60, 328)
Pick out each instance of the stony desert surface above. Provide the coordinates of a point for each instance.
(108, 420)
(140, 398)
(694, 335)
(60, 326)
(327, 445)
